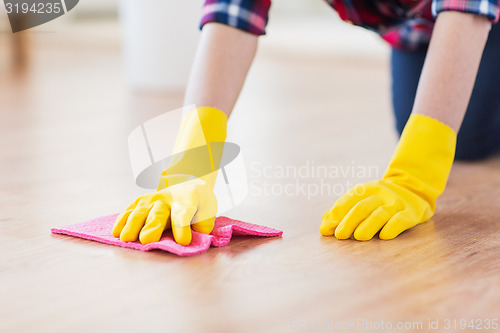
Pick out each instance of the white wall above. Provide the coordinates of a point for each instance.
(89, 7)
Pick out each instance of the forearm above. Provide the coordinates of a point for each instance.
(221, 64)
(451, 67)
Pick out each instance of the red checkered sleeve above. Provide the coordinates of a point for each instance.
(247, 15)
(488, 8)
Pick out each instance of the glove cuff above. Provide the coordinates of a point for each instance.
(199, 127)
(193, 154)
(423, 158)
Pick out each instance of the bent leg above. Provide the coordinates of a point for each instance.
(406, 67)
(479, 136)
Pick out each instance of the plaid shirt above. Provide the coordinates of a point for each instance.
(405, 24)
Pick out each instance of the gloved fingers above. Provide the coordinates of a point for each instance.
(156, 223)
(396, 225)
(357, 214)
(182, 215)
(135, 222)
(342, 206)
(328, 224)
(120, 222)
(204, 219)
(373, 223)
(205, 226)
(121, 219)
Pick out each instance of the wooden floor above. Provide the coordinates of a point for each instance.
(63, 159)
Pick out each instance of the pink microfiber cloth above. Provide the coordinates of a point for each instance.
(99, 229)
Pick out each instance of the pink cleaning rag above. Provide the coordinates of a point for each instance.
(99, 229)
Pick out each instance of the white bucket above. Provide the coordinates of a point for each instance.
(159, 42)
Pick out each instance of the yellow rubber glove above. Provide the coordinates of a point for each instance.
(407, 193)
(178, 206)
(199, 146)
(185, 191)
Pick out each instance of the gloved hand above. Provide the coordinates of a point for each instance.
(178, 206)
(199, 147)
(407, 193)
(185, 191)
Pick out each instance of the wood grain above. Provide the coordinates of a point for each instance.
(63, 159)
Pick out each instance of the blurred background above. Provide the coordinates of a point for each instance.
(156, 39)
